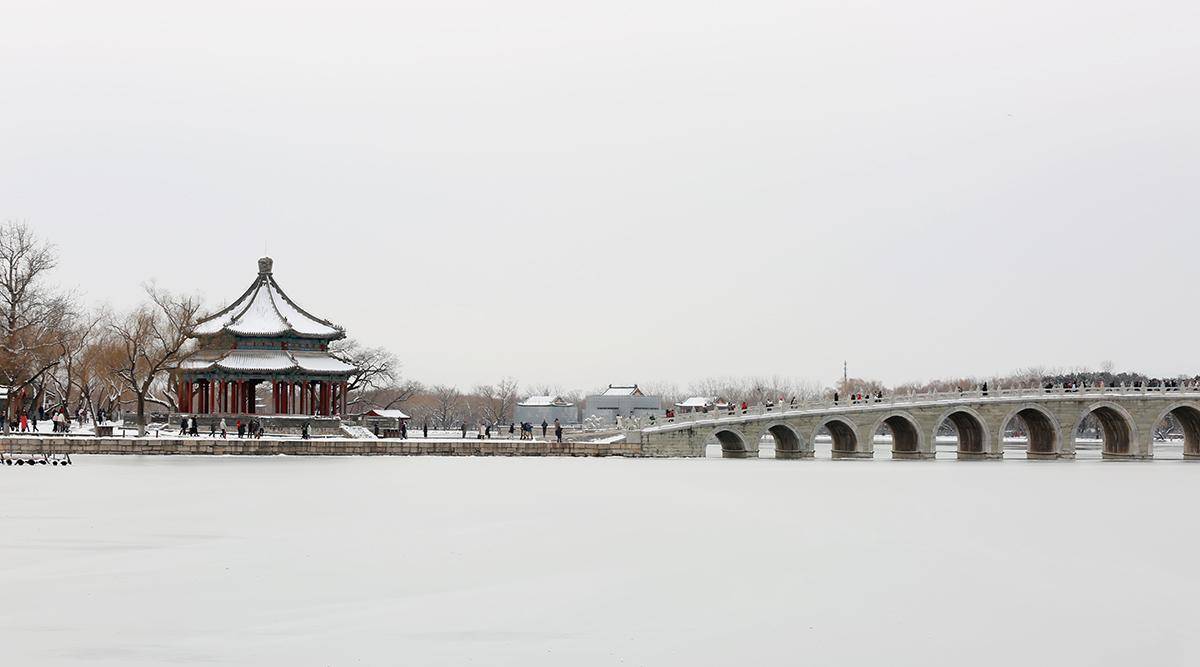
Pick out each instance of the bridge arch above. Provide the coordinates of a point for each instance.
(974, 441)
(841, 430)
(789, 444)
(907, 439)
(1116, 426)
(733, 443)
(1188, 416)
(1042, 428)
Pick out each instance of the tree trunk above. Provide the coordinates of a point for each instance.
(141, 412)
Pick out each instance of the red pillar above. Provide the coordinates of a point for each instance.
(345, 390)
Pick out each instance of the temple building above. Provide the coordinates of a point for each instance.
(264, 340)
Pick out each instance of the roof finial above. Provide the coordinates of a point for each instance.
(264, 266)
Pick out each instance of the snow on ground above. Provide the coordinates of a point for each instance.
(539, 561)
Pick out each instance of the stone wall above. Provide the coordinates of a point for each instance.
(315, 447)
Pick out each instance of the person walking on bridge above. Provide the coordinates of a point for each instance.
(557, 430)
(544, 427)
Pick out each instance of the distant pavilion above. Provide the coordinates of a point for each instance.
(264, 337)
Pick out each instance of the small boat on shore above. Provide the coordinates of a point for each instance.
(17, 459)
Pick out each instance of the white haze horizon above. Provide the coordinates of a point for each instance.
(620, 192)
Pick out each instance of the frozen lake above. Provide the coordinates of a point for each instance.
(503, 561)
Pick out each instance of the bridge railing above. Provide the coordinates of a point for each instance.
(917, 398)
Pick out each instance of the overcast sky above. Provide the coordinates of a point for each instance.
(633, 191)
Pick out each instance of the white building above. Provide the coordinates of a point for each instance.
(622, 400)
(701, 404)
(537, 409)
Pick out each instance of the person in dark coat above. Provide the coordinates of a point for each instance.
(425, 428)
(403, 429)
(512, 428)
(557, 430)
(544, 427)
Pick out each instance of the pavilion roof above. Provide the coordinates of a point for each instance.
(264, 310)
(619, 390)
(543, 402)
(267, 361)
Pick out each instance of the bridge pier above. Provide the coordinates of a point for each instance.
(913, 456)
(793, 454)
(980, 456)
(1126, 456)
(852, 455)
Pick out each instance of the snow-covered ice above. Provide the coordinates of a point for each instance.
(506, 561)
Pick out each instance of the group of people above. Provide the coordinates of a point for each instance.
(1136, 385)
(527, 430)
(253, 428)
(859, 397)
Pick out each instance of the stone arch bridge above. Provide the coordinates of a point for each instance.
(1051, 417)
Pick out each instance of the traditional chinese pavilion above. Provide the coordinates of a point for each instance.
(264, 338)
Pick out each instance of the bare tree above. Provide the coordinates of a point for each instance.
(153, 338)
(1167, 429)
(79, 334)
(386, 397)
(496, 401)
(31, 313)
(99, 387)
(447, 407)
(377, 367)
(377, 378)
